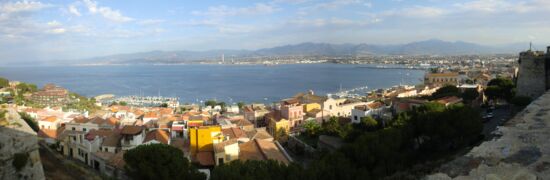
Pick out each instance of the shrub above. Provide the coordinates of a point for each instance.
(521, 100)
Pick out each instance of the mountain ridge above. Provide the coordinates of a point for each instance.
(426, 47)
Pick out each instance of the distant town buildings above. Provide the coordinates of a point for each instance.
(51, 96)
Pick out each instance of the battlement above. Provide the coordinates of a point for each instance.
(534, 73)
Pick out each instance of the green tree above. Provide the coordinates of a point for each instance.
(312, 128)
(30, 121)
(368, 123)
(163, 105)
(281, 135)
(506, 87)
(331, 127)
(4, 82)
(447, 90)
(470, 94)
(123, 103)
(240, 104)
(492, 92)
(159, 161)
(210, 103)
(270, 169)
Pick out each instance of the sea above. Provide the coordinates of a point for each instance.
(229, 83)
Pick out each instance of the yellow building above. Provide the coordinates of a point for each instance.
(203, 138)
(311, 106)
(276, 122)
(451, 78)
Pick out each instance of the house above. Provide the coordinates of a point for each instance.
(50, 122)
(111, 143)
(132, 136)
(255, 113)
(259, 133)
(226, 151)
(263, 150)
(276, 123)
(371, 109)
(51, 95)
(340, 106)
(157, 136)
(235, 133)
(400, 105)
(449, 100)
(243, 124)
(203, 138)
(232, 109)
(293, 111)
(441, 78)
(318, 115)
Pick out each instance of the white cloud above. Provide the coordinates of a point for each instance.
(318, 22)
(73, 10)
(151, 21)
(417, 12)
(106, 12)
(57, 31)
(54, 23)
(22, 6)
(222, 11)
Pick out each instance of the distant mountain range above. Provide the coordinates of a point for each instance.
(428, 47)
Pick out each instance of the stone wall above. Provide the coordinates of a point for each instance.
(532, 74)
(521, 152)
(18, 138)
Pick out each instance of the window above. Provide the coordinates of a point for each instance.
(74, 129)
(355, 118)
(84, 129)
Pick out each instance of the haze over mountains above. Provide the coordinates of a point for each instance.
(428, 47)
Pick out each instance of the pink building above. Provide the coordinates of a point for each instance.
(292, 110)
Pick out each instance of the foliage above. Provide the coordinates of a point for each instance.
(214, 103)
(492, 92)
(270, 169)
(368, 123)
(312, 128)
(331, 127)
(164, 105)
(470, 95)
(123, 103)
(30, 121)
(413, 137)
(25, 88)
(159, 161)
(447, 90)
(501, 88)
(240, 104)
(281, 134)
(20, 160)
(81, 103)
(4, 82)
(521, 100)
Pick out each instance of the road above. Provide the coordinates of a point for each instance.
(502, 114)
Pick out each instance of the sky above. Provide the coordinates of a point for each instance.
(45, 30)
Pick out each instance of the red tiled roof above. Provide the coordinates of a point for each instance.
(234, 133)
(158, 135)
(131, 130)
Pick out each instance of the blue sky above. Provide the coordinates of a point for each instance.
(72, 29)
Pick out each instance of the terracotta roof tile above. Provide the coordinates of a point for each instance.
(131, 130)
(159, 135)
